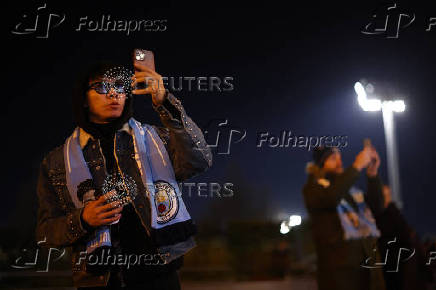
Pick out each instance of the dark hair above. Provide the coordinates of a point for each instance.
(81, 113)
(321, 153)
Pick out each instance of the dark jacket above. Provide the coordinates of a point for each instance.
(59, 221)
(403, 270)
(339, 260)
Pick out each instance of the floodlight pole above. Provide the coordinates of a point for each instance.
(388, 109)
(392, 155)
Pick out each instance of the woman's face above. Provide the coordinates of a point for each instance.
(104, 107)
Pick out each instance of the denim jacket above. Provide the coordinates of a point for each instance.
(59, 221)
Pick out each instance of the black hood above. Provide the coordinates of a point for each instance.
(81, 113)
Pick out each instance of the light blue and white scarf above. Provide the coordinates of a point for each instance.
(155, 166)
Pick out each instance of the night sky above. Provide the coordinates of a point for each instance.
(293, 68)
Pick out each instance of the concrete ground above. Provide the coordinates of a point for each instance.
(27, 282)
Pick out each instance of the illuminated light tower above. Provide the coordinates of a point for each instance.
(388, 108)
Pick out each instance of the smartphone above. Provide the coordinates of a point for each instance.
(144, 57)
(367, 143)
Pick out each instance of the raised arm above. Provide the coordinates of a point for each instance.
(374, 195)
(183, 139)
(317, 196)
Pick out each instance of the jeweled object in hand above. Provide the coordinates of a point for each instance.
(121, 188)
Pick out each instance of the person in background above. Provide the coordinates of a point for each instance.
(405, 267)
(342, 218)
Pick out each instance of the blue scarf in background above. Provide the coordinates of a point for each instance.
(358, 223)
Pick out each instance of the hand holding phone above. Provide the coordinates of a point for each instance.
(147, 80)
(375, 159)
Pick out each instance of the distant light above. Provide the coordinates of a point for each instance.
(364, 102)
(284, 228)
(371, 105)
(395, 106)
(360, 90)
(294, 220)
(376, 104)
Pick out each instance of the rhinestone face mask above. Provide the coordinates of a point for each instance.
(119, 79)
(105, 87)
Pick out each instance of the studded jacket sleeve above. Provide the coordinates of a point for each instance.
(183, 139)
(56, 227)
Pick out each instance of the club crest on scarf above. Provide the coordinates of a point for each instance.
(166, 202)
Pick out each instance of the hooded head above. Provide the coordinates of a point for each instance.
(326, 160)
(86, 100)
